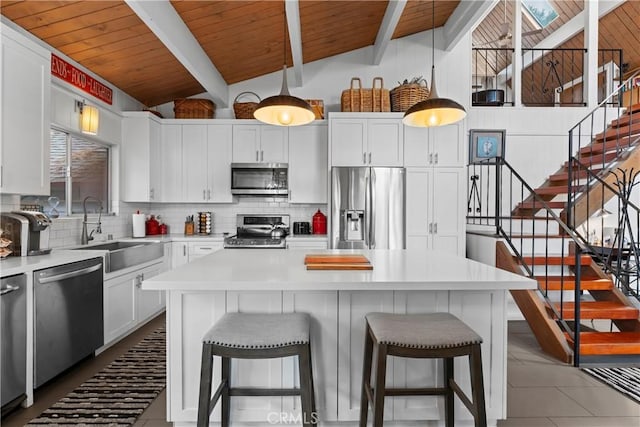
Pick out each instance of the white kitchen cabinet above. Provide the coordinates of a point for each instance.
(219, 151)
(25, 115)
(352, 307)
(179, 254)
(366, 141)
(257, 143)
(171, 154)
(438, 146)
(126, 305)
(435, 209)
(308, 164)
(148, 303)
(322, 306)
(200, 249)
(298, 242)
(141, 158)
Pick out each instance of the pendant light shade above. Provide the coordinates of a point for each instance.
(434, 111)
(284, 109)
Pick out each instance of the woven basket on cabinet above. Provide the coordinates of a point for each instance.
(358, 99)
(406, 95)
(244, 110)
(193, 108)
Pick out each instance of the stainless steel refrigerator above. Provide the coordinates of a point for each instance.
(367, 208)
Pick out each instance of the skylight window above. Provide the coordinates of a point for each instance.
(539, 12)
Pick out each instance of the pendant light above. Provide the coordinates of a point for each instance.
(434, 111)
(284, 109)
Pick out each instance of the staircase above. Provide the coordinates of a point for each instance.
(545, 238)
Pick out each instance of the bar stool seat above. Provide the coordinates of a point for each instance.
(255, 336)
(432, 335)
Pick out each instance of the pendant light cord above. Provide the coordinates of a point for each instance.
(433, 34)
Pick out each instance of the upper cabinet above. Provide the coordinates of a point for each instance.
(257, 143)
(437, 147)
(141, 158)
(308, 164)
(25, 115)
(357, 141)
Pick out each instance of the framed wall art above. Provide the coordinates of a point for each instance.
(486, 145)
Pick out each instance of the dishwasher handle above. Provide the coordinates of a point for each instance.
(70, 274)
(9, 289)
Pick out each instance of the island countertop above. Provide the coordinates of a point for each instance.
(270, 269)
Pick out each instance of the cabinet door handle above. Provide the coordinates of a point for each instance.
(151, 193)
(436, 157)
(261, 156)
(435, 228)
(430, 228)
(204, 194)
(184, 250)
(208, 194)
(430, 158)
(257, 156)
(364, 158)
(369, 157)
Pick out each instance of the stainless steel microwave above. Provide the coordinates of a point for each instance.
(260, 179)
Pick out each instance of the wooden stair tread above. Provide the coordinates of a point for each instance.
(539, 205)
(614, 132)
(598, 159)
(555, 283)
(615, 144)
(601, 343)
(556, 260)
(556, 189)
(564, 176)
(625, 119)
(598, 310)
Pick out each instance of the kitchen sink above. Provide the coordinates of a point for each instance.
(126, 254)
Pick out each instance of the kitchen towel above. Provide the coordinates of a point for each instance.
(138, 225)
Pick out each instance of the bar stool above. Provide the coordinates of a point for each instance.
(434, 335)
(255, 336)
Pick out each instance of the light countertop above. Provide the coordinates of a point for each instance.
(268, 269)
(17, 265)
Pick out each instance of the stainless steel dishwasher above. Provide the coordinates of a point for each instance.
(13, 337)
(69, 323)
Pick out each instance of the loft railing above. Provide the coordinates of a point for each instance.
(603, 178)
(495, 187)
(550, 77)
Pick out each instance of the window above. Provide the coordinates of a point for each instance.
(78, 168)
(539, 12)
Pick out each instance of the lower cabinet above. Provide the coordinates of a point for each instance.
(198, 250)
(306, 243)
(126, 304)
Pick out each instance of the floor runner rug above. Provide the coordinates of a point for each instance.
(119, 393)
(625, 380)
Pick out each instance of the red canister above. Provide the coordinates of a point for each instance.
(319, 223)
(152, 226)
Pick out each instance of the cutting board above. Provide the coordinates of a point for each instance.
(337, 262)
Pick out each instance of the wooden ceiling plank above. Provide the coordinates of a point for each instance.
(98, 33)
(164, 21)
(387, 28)
(292, 10)
(19, 9)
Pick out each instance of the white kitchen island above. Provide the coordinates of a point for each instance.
(267, 280)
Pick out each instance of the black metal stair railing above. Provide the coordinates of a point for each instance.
(536, 238)
(601, 183)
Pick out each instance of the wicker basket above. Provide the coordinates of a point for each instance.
(244, 110)
(357, 99)
(317, 105)
(405, 96)
(193, 108)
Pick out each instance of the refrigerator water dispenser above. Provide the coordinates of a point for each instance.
(353, 223)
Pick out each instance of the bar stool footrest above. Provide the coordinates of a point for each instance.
(241, 391)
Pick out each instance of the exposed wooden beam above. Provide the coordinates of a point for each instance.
(166, 24)
(387, 27)
(292, 9)
(464, 19)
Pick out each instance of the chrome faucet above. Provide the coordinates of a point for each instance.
(84, 240)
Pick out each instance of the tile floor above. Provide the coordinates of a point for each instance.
(541, 391)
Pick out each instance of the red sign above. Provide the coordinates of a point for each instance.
(67, 72)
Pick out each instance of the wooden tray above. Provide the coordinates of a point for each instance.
(339, 266)
(335, 259)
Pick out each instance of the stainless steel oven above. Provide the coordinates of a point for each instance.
(259, 179)
(266, 231)
(69, 323)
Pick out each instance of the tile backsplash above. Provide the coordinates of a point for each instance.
(66, 231)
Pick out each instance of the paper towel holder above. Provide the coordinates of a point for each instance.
(138, 222)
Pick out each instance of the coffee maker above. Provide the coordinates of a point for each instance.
(28, 230)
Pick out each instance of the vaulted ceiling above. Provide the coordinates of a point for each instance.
(245, 39)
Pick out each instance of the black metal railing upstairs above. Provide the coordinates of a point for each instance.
(549, 77)
(602, 181)
(546, 248)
